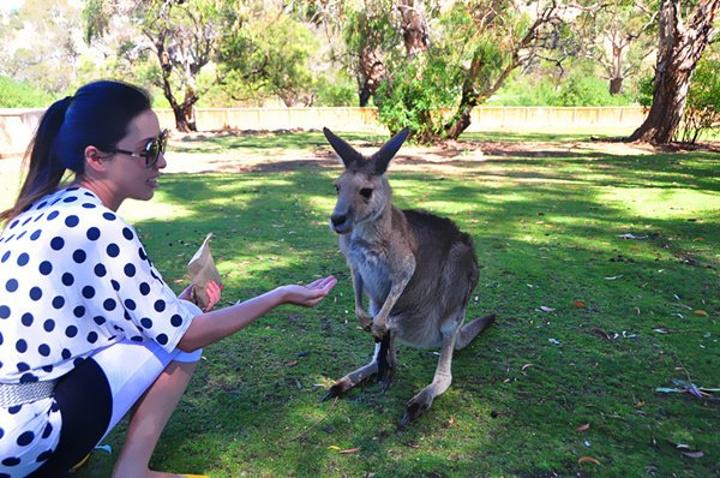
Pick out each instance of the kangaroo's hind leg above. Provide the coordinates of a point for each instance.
(421, 402)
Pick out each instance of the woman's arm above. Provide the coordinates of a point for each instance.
(214, 326)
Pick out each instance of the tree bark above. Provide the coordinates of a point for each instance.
(680, 49)
(413, 27)
(373, 72)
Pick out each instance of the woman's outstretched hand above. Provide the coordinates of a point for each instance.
(309, 295)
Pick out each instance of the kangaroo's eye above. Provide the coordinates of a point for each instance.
(366, 193)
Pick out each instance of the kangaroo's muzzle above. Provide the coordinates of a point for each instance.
(340, 223)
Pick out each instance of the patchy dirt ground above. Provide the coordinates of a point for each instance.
(451, 157)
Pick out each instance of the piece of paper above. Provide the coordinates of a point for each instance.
(202, 271)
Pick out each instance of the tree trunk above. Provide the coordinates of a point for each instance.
(413, 28)
(616, 85)
(183, 112)
(680, 48)
(181, 123)
(373, 71)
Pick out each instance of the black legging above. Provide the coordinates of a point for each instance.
(85, 402)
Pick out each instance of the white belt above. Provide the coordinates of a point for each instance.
(14, 394)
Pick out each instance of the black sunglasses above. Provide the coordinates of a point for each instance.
(152, 150)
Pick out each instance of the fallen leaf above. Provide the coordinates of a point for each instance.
(546, 309)
(583, 428)
(350, 450)
(613, 277)
(587, 459)
(526, 366)
(637, 310)
(291, 363)
(701, 312)
(693, 454)
(632, 236)
(580, 304)
(334, 447)
(452, 420)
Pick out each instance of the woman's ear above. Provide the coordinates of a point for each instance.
(94, 158)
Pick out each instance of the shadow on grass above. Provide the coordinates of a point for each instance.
(261, 141)
(578, 308)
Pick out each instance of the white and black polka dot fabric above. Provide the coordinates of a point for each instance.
(74, 278)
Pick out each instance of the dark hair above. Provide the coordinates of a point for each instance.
(98, 114)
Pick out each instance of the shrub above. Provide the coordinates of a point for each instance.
(702, 111)
(19, 94)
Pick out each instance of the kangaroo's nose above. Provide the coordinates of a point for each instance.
(338, 219)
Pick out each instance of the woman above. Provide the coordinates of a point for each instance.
(88, 327)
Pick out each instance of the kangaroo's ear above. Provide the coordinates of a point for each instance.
(382, 158)
(347, 153)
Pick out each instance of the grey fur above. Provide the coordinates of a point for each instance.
(417, 269)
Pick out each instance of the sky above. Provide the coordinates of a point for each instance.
(7, 5)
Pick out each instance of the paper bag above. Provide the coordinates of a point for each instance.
(202, 270)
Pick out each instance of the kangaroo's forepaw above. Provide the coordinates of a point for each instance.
(379, 331)
(418, 405)
(365, 320)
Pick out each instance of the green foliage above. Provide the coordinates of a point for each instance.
(580, 86)
(339, 90)
(702, 111)
(370, 26)
(646, 90)
(268, 57)
(44, 50)
(415, 95)
(21, 94)
(583, 87)
(95, 16)
(526, 90)
(474, 49)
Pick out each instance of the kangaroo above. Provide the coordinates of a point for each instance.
(417, 269)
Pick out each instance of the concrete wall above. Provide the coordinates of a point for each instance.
(18, 125)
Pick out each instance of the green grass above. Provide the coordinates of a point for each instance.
(546, 226)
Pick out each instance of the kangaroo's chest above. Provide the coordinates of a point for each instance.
(372, 263)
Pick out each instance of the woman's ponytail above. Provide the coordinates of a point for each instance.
(45, 171)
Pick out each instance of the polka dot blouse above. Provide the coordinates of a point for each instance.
(75, 278)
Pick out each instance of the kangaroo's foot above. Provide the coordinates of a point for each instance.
(417, 405)
(472, 329)
(345, 384)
